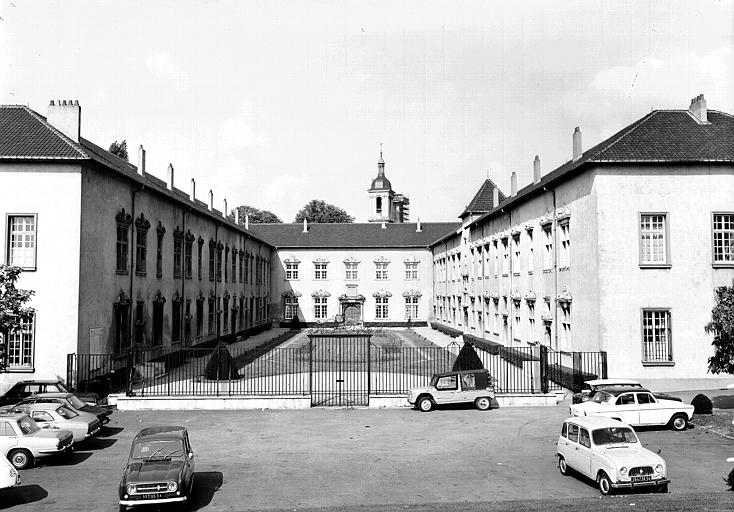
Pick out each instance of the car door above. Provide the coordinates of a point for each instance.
(651, 413)
(8, 437)
(447, 388)
(574, 458)
(626, 409)
(583, 450)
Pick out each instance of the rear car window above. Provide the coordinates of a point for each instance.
(564, 430)
(584, 438)
(626, 399)
(573, 432)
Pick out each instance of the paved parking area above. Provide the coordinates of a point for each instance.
(259, 460)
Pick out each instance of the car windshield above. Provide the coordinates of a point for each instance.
(28, 426)
(614, 435)
(75, 402)
(601, 396)
(66, 413)
(61, 387)
(162, 448)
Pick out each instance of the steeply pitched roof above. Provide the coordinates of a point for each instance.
(362, 235)
(27, 135)
(483, 200)
(662, 136)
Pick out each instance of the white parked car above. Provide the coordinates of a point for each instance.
(22, 441)
(60, 417)
(460, 386)
(636, 406)
(609, 452)
(9, 476)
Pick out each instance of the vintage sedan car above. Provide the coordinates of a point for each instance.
(466, 386)
(160, 468)
(71, 401)
(636, 406)
(609, 452)
(49, 415)
(592, 386)
(22, 441)
(9, 476)
(26, 388)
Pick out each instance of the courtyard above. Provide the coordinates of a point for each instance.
(366, 459)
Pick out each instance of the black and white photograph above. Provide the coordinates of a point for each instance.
(366, 256)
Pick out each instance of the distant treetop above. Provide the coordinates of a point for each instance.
(321, 212)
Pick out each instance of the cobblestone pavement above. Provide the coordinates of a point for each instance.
(380, 459)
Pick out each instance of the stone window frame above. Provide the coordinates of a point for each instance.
(662, 356)
(122, 247)
(22, 238)
(160, 232)
(722, 230)
(649, 230)
(142, 225)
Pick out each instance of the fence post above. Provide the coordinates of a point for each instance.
(130, 372)
(70, 372)
(544, 369)
(604, 365)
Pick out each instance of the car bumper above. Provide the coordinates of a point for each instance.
(93, 433)
(156, 501)
(633, 485)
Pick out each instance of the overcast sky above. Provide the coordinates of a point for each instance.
(273, 103)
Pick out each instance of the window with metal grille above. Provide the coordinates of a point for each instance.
(411, 308)
(653, 239)
(381, 307)
(21, 344)
(320, 307)
(723, 238)
(656, 336)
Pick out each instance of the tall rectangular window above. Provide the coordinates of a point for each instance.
(233, 274)
(320, 307)
(22, 241)
(141, 251)
(653, 239)
(220, 248)
(210, 318)
(411, 270)
(411, 308)
(176, 320)
(505, 262)
(350, 271)
(291, 270)
(187, 323)
(242, 270)
(319, 271)
(548, 248)
(225, 310)
(516, 254)
(496, 259)
(122, 244)
(177, 255)
(226, 263)
(200, 245)
(21, 344)
(723, 238)
(656, 336)
(199, 317)
(531, 253)
(565, 245)
(212, 258)
(381, 307)
(188, 256)
(158, 322)
(380, 270)
(291, 307)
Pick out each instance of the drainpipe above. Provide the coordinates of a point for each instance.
(132, 262)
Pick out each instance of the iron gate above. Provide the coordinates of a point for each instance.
(340, 369)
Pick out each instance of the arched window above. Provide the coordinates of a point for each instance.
(378, 206)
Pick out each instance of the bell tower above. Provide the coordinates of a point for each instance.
(381, 195)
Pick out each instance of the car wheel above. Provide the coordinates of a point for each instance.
(20, 459)
(605, 485)
(483, 403)
(425, 404)
(663, 489)
(123, 508)
(562, 466)
(678, 422)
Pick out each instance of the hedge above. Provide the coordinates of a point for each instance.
(454, 333)
(509, 354)
(563, 375)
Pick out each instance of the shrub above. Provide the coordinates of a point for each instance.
(467, 359)
(702, 404)
(220, 365)
(730, 480)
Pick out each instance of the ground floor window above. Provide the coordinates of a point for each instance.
(158, 322)
(656, 336)
(176, 304)
(122, 327)
(225, 310)
(210, 319)
(320, 308)
(411, 308)
(199, 317)
(381, 307)
(21, 344)
(291, 307)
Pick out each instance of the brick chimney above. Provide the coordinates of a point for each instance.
(698, 109)
(513, 184)
(171, 174)
(577, 143)
(211, 200)
(418, 227)
(66, 116)
(237, 216)
(536, 170)
(141, 160)
(305, 225)
(192, 195)
(224, 211)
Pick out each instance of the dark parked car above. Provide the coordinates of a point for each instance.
(70, 400)
(160, 468)
(26, 388)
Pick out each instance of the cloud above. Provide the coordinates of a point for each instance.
(236, 133)
(162, 66)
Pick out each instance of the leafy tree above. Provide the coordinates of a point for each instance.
(221, 366)
(319, 211)
(119, 149)
(722, 327)
(256, 216)
(467, 359)
(12, 308)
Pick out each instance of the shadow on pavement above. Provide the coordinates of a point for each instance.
(110, 431)
(206, 483)
(97, 443)
(69, 459)
(22, 495)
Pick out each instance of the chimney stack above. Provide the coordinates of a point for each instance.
(211, 200)
(536, 170)
(513, 184)
(418, 227)
(141, 160)
(698, 109)
(247, 220)
(495, 197)
(305, 225)
(66, 116)
(224, 213)
(192, 196)
(577, 143)
(237, 216)
(170, 177)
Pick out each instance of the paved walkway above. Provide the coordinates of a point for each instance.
(437, 337)
(258, 339)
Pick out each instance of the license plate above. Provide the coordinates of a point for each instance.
(645, 478)
(150, 496)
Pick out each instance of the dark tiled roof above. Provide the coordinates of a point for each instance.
(362, 235)
(26, 135)
(483, 200)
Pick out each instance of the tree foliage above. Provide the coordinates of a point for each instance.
(119, 149)
(722, 328)
(321, 212)
(12, 307)
(256, 216)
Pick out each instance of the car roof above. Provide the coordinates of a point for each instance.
(13, 415)
(166, 432)
(52, 394)
(619, 391)
(481, 370)
(39, 381)
(612, 382)
(592, 422)
(41, 406)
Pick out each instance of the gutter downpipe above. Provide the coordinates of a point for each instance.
(133, 348)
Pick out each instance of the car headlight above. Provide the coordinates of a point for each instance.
(172, 486)
(659, 468)
(131, 488)
(623, 470)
